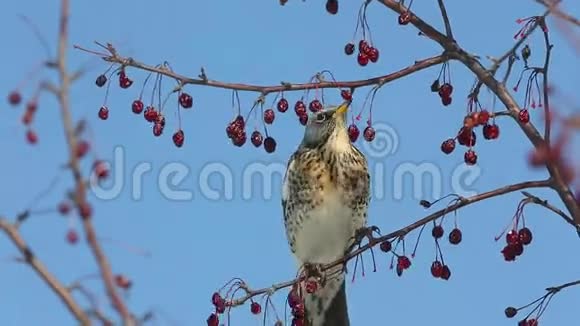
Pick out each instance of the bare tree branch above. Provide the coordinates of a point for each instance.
(445, 19)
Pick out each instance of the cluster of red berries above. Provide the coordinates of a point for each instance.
(366, 52)
(515, 242)
(237, 134)
(440, 270)
(466, 135)
(444, 91)
(528, 322)
(368, 134)
(403, 263)
(296, 304)
(14, 99)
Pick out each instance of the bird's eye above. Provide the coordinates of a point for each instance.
(320, 117)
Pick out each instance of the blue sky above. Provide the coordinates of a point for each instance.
(198, 244)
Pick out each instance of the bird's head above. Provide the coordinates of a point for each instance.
(329, 124)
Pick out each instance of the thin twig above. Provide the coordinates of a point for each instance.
(547, 113)
(544, 203)
(30, 259)
(448, 31)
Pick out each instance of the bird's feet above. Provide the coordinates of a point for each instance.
(362, 233)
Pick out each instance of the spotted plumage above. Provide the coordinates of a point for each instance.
(325, 198)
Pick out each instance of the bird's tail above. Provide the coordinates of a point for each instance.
(327, 306)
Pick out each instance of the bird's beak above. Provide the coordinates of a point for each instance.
(343, 107)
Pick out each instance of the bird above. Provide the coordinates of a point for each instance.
(325, 198)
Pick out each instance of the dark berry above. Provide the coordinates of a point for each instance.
(150, 114)
(435, 86)
(373, 54)
(64, 208)
(353, 132)
(269, 144)
(157, 129)
(256, 138)
(315, 106)
(369, 133)
(445, 90)
(470, 157)
(300, 108)
(100, 169)
(349, 48)
(282, 105)
(104, 113)
(448, 146)
(14, 98)
(332, 6)
(363, 46)
(101, 81)
(525, 236)
(216, 298)
(436, 269)
(508, 253)
(293, 298)
(404, 262)
(446, 100)
(445, 272)
(125, 82)
(213, 320)
(362, 59)
(346, 95)
(524, 116)
(311, 286)
(178, 138)
(269, 116)
(437, 231)
(386, 246)
(239, 139)
(518, 249)
(303, 119)
(31, 136)
(404, 18)
(483, 117)
(137, 106)
(510, 312)
(466, 137)
(255, 308)
(455, 236)
(491, 131)
(185, 100)
(512, 237)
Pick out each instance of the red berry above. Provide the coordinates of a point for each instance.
(31, 106)
(101, 80)
(104, 113)
(83, 148)
(213, 320)
(216, 298)
(524, 116)
(300, 108)
(303, 119)
(239, 139)
(282, 105)
(470, 157)
(373, 54)
(404, 18)
(85, 210)
(157, 129)
(437, 231)
(293, 298)
(448, 146)
(256, 138)
(269, 144)
(483, 117)
(346, 95)
(124, 81)
(436, 269)
(445, 90)
(72, 237)
(185, 100)
(31, 136)
(349, 48)
(137, 106)
(255, 308)
(518, 248)
(298, 311)
(363, 46)
(14, 98)
(491, 131)
(353, 132)
(369, 133)
(446, 100)
(269, 116)
(525, 236)
(404, 262)
(150, 114)
(27, 117)
(100, 169)
(386, 246)
(63, 208)
(298, 322)
(178, 138)
(315, 106)
(122, 281)
(362, 59)
(512, 237)
(532, 322)
(455, 236)
(508, 253)
(466, 137)
(332, 6)
(311, 286)
(445, 272)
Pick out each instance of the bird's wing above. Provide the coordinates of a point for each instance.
(287, 197)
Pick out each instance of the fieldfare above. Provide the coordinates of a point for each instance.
(325, 196)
